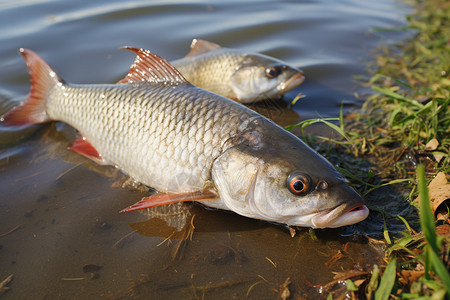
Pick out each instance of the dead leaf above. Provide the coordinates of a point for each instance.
(409, 276)
(340, 277)
(292, 231)
(358, 282)
(432, 145)
(284, 289)
(350, 116)
(443, 230)
(438, 157)
(439, 190)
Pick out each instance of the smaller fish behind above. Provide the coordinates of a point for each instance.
(235, 74)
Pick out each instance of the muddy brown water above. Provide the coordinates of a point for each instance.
(61, 235)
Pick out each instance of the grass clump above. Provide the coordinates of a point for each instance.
(419, 262)
(401, 137)
(407, 120)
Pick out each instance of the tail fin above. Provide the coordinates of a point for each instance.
(43, 78)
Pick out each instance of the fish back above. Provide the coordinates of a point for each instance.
(211, 71)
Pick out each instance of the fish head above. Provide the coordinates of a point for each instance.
(285, 181)
(260, 77)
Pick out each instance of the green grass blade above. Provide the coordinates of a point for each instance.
(399, 97)
(440, 269)
(386, 232)
(339, 129)
(351, 286)
(425, 214)
(398, 28)
(373, 283)
(387, 281)
(405, 222)
(427, 261)
(307, 123)
(341, 118)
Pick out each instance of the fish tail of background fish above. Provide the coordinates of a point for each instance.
(43, 80)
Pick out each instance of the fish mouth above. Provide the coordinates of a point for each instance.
(342, 215)
(292, 82)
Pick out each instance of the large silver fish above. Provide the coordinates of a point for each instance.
(191, 145)
(236, 74)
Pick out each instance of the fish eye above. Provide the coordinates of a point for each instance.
(298, 183)
(272, 72)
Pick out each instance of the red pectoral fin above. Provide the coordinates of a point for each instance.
(81, 146)
(166, 198)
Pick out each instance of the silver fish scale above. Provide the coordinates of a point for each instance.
(208, 69)
(164, 137)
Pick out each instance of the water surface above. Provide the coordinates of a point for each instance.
(61, 234)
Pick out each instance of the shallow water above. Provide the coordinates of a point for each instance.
(61, 233)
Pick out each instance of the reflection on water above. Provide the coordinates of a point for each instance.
(60, 231)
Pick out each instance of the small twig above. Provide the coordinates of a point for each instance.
(166, 239)
(122, 241)
(11, 231)
(274, 264)
(70, 169)
(334, 259)
(343, 278)
(260, 276)
(252, 286)
(177, 255)
(285, 293)
(73, 279)
(206, 288)
(29, 176)
(400, 155)
(4, 284)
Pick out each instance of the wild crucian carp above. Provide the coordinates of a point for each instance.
(191, 145)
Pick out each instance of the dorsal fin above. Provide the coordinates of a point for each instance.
(151, 68)
(201, 46)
